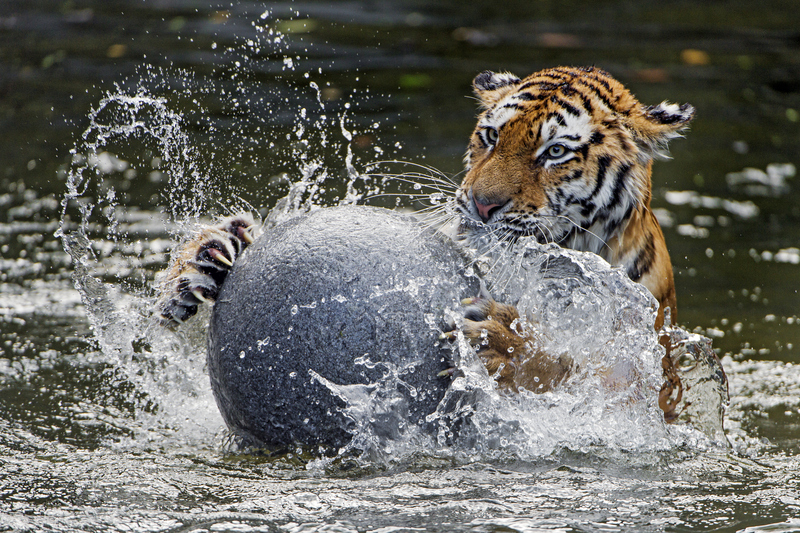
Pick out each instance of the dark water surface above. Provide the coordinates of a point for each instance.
(97, 438)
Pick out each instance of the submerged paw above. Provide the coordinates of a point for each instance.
(201, 265)
(494, 330)
(507, 346)
(483, 308)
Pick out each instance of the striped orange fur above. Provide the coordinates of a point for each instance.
(566, 155)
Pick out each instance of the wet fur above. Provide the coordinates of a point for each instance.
(565, 155)
(508, 349)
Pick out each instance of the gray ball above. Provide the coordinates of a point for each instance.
(347, 294)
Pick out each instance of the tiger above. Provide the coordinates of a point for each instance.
(565, 156)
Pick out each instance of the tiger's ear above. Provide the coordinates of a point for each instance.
(659, 124)
(490, 86)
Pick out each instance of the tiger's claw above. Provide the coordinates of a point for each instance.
(197, 293)
(447, 373)
(219, 256)
(244, 234)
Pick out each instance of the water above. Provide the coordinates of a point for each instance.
(107, 425)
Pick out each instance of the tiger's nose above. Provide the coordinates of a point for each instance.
(486, 207)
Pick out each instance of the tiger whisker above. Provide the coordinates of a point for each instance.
(435, 216)
(428, 168)
(421, 198)
(508, 268)
(434, 211)
(417, 184)
(433, 208)
(429, 176)
(436, 222)
(434, 178)
(500, 242)
(402, 194)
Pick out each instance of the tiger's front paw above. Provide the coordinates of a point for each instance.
(508, 347)
(495, 330)
(200, 266)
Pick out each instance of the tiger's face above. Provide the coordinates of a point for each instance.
(564, 155)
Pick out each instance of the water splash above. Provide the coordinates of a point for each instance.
(584, 310)
(109, 258)
(581, 309)
(182, 146)
(379, 411)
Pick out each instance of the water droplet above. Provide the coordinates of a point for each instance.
(686, 362)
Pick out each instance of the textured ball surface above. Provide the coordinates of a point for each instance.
(334, 298)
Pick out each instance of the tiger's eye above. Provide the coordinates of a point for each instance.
(556, 150)
(492, 135)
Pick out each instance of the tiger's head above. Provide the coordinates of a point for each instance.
(563, 155)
